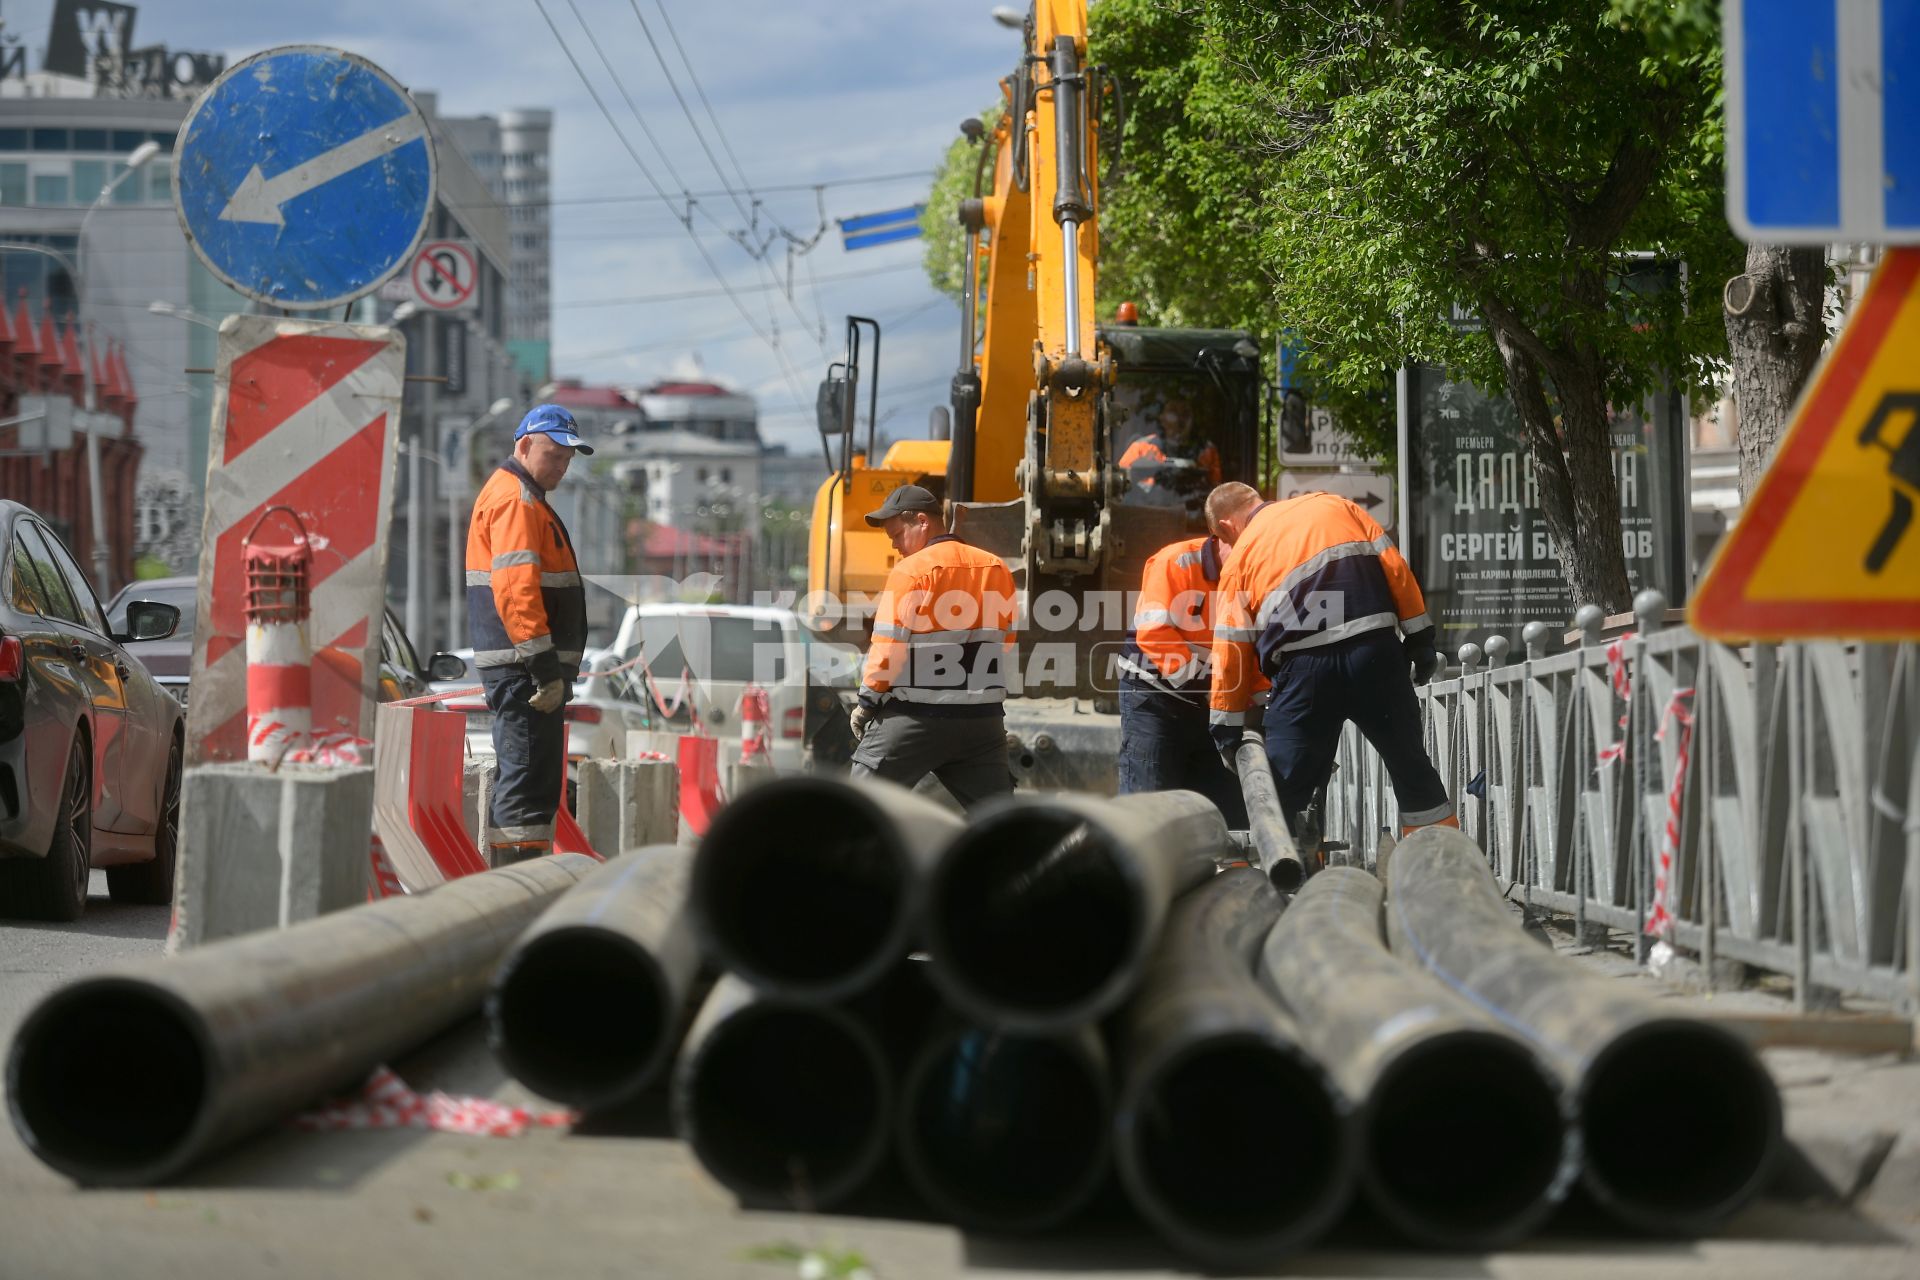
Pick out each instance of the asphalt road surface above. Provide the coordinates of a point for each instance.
(633, 1204)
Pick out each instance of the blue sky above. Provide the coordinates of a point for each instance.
(806, 90)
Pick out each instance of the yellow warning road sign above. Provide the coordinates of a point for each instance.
(1829, 545)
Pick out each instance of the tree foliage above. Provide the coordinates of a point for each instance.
(1358, 173)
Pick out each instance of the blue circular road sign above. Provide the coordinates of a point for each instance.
(304, 177)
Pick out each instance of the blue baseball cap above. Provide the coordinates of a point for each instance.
(555, 421)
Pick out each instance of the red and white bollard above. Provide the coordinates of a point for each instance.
(754, 710)
(279, 650)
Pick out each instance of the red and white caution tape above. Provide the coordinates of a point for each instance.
(385, 1102)
(1660, 916)
(1623, 689)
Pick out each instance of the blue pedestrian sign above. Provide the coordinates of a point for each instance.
(1823, 99)
(304, 177)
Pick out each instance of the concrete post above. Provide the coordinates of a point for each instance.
(629, 804)
(263, 850)
(476, 793)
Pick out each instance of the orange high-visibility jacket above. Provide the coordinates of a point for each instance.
(1310, 571)
(943, 632)
(1170, 648)
(526, 605)
(1144, 450)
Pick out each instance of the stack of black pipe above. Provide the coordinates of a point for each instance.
(1016, 1007)
(1096, 986)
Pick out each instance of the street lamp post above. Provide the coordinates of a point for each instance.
(458, 478)
(136, 161)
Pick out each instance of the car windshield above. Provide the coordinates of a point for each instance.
(180, 597)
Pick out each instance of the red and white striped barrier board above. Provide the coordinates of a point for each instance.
(306, 415)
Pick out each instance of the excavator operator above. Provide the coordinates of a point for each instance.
(1170, 442)
(1312, 596)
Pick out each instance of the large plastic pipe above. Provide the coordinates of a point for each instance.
(1267, 821)
(784, 1102)
(587, 1006)
(1679, 1122)
(129, 1078)
(808, 887)
(1232, 1141)
(1467, 1133)
(1042, 912)
(1005, 1132)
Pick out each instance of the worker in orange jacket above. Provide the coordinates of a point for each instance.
(1164, 742)
(1144, 459)
(527, 616)
(1315, 596)
(936, 676)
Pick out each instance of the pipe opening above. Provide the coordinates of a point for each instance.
(108, 1081)
(1713, 1105)
(1287, 875)
(803, 886)
(580, 1017)
(1006, 1130)
(1036, 910)
(788, 1103)
(1465, 1139)
(1240, 1139)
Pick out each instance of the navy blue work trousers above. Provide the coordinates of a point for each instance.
(1165, 746)
(530, 751)
(1365, 680)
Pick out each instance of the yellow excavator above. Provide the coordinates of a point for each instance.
(1076, 449)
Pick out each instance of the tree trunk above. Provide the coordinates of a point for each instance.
(1573, 462)
(1775, 329)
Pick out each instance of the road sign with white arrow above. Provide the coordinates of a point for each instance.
(304, 177)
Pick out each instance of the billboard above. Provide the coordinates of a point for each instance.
(1476, 535)
(85, 31)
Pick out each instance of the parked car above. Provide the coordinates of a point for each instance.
(169, 661)
(91, 745)
(715, 651)
(606, 703)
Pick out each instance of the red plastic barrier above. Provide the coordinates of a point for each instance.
(433, 796)
(700, 792)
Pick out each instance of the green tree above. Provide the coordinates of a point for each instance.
(945, 256)
(1354, 172)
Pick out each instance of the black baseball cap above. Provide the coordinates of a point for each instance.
(902, 501)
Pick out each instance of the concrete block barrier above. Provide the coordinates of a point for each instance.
(264, 850)
(628, 804)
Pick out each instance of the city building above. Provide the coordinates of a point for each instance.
(60, 154)
(510, 152)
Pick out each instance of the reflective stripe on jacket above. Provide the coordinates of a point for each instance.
(1310, 571)
(943, 632)
(526, 604)
(1169, 648)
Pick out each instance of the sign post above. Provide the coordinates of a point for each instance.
(304, 177)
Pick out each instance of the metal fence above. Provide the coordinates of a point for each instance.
(1767, 798)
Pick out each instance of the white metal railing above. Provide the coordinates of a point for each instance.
(1795, 842)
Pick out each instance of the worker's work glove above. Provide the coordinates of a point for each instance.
(1421, 653)
(547, 697)
(1226, 740)
(861, 720)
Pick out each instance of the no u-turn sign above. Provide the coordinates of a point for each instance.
(444, 276)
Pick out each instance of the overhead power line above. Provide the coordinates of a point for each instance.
(706, 257)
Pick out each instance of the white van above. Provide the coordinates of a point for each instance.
(709, 653)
